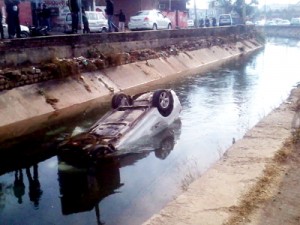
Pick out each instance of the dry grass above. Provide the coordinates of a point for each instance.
(259, 193)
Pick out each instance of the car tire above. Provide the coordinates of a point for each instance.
(167, 145)
(24, 34)
(169, 26)
(154, 27)
(120, 100)
(104, 30)
(163, 101)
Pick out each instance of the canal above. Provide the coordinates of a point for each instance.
(218, 108)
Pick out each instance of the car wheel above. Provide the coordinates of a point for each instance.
(104, 30)
(164, 101)
(120, 100)
(169, 26)
(24, 34)
(154, 27)
(166, 147)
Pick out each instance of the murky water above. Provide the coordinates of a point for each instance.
(218, 107)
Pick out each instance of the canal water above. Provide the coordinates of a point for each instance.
(218, 108)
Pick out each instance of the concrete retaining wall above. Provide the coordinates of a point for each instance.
(32, 107)
(39, 49)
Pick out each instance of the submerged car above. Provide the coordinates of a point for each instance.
(149, 20)
(131, 120)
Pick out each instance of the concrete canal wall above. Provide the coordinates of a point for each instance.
(32, 107)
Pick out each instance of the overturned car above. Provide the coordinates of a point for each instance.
(132, 120)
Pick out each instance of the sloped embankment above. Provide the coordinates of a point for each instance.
(28, 108)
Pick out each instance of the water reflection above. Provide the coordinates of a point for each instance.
(83, 188)
(35, 191)
(19, 187)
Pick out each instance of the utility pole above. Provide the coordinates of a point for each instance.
(243, 11)
(196, 16)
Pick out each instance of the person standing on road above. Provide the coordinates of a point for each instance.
(122, 20)
(46, 17)
(207, 22)
(85, 21)
(74, 8)
(110, 13)
(13, 22)
(1, 26)
(38, 14)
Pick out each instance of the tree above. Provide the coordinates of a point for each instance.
(239, 6)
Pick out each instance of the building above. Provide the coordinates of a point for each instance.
(174, 9)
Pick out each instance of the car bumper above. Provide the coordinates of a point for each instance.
(140, 26)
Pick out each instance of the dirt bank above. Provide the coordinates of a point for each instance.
(256, 182)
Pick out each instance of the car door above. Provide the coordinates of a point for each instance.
(161, 23)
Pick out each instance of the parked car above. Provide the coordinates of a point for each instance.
(190, 23)
(225, 20)
(249, 23)
(149, 19)
(295, 21)
(131, 122)
(24, 31)
(283, 23)
(97, 22)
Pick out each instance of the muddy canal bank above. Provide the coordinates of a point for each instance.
(28, 108)
(256, 182)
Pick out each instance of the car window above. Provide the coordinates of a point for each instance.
(101, 16)
(159, 15)
(91, 16)
(225, 17)
(142, 13)
(69, 17)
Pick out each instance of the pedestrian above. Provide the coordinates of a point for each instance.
(201, 22)
(39, 17)
(109, 10)
(86, 28)
(13, 22)
(46, 17)
(1, 26)
(122, 20)
(207, 23)
(74, 8)
(214, 22)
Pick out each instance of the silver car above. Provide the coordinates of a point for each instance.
(97, 22)
(24, 31)
(149, 20)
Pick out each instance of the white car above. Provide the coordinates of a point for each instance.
(131, 121)
(295, 21)
(97, 22)
(24, 31)
(149, 20)
(190, 23)
(225, 20)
